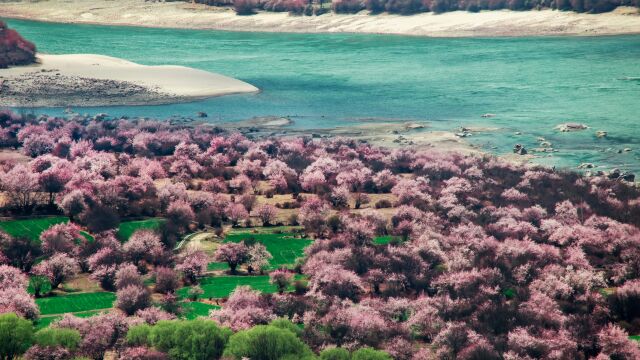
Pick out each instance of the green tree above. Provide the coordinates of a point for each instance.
(53, 337)
(335, 354)
(16, 336)
(138, 335)
(189, 339)
(266, 342)
(284, 323)
(370, 354)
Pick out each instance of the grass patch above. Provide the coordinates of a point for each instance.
(284, 247)
(385, 239)
(87, 236)
(216, 266)
(127, 228)
(31, 228)
(217, 287)
(195, 309)
(63, 304)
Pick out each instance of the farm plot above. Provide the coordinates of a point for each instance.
(217, 287)
(73, 303)
(127, 228)
(195, 309)
(284, 247)
(31, 228)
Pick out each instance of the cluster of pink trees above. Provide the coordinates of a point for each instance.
(486, 259)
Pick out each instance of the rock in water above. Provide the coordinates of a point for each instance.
(519, 149)
(614, 174)
(628, 176)
(567, 127)
(14, 49)
(601, 134)
(586, 166)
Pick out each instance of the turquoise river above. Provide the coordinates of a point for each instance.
(326, 80)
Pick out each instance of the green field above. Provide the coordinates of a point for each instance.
(127, 228)
(217, 287)
(284, 247)
(30, 228)
(384, 240)
(196, 309)
(215, 266)
(75, 302)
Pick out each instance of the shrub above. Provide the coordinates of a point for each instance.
(15, 49)
(281, 279)
(193, 339)
(166, 280)
(141, 353)
(295, 7)
(16, 335)
(383, 204)
(54, 337)
(194, 293)
(138, 335)
(244, 7)
(132, 298)
(264, 342)
(404, 7)
(335, 354)
(369, 354)
(347, 6)
(284, 323)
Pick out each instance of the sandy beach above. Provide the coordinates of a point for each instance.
(624, 20)
(96, 80)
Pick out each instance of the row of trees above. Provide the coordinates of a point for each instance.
(408, 7)
(164, 339)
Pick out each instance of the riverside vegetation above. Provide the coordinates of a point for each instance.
(408, 7)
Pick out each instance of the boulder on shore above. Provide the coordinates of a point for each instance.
(14, 49)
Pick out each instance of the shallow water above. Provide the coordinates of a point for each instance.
(324, 80)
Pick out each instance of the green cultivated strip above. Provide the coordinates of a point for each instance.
(284, 248)
(127, 228)
(31, 228)
(196, 309)
(75, 303)
(217, 287)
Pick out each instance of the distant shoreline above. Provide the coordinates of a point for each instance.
(181, 15)
(96, 80)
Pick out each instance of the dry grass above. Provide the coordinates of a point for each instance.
(81, 283)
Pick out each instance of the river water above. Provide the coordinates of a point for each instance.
(326, 80)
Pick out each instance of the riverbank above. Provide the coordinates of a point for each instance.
(624, 20)
(96, 80)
